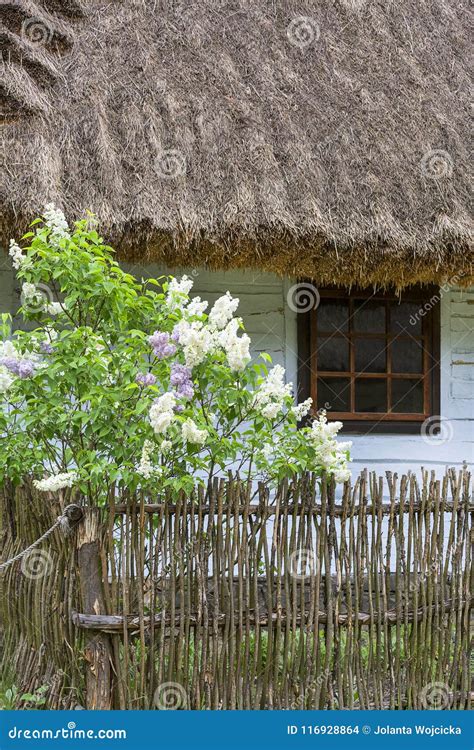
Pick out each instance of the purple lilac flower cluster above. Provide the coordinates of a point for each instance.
(145, 379)
(23, 368)
(46, 347)
(160, 343)
(181, 378)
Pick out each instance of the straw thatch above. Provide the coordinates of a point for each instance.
(326, 139)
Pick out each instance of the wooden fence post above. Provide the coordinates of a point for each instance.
(97, 652)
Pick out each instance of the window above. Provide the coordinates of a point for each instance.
(372, 359)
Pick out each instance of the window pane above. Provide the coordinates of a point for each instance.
(371, 395)
(334, 394)
(369, 316)
(407, 356)
(333, 315)
(333, 354)
(370, 355)
(405, 318)
(407, 396)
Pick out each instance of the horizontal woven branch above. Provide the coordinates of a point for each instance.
(117, 623)
(255, 509)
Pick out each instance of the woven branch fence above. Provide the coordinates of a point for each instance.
(242, 599)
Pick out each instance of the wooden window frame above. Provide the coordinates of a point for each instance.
(375, 422)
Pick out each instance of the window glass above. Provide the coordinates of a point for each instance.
(333, 315)
(369, 316)
(407, 396)
(333, 354)
(334, 394)
(370, 355)
(407, 355)
(405, 318)
(371, 395)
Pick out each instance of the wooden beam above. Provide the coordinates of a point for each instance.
(117, 623)
(258, 510)
(97, 652)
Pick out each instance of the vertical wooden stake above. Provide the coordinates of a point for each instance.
(98, 652)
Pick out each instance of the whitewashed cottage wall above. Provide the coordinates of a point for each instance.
(6, 284)
(272, 326)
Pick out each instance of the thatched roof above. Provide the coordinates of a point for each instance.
(324, 138)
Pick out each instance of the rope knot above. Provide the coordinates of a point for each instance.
(70, 516)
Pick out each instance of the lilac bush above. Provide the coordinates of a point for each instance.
(135, 383)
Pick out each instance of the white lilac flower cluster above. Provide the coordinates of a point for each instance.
(56, 221)
(196, 307)
(6, 379)
(200, 338)
(19, 260)
(223, 311)
(178, 292)
(274, 392)
(162, 412)
(32, 296)
(37, 300)
(162, 416)
(146, 468)
(196, 339)
(54, 308)
(237, 348)
(302, 410)
(7, 351)
(191, 433)
(271, 396)
(56, 481)
(329, 454)
(29, 292)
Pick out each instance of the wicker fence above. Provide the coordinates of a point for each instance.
(232, 599)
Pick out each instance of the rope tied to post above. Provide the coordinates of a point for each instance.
(68, 519)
